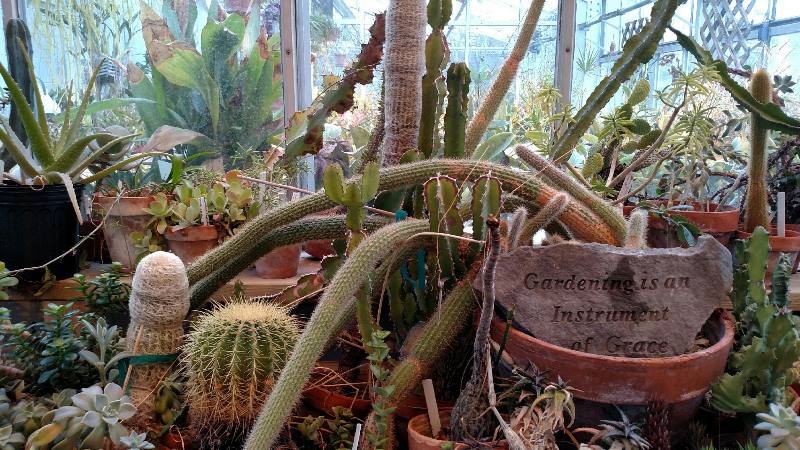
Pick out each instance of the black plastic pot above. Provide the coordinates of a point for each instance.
(38, 224)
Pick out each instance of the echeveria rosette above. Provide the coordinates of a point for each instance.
(9, 440)
(100, 410)
(136, 441)
(782, 427)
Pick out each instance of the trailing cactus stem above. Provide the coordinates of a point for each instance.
(403, 68)
(337, 297)
(756, 212)
(310, 228)
(490, 104)
(548, 214)
(590, 219)
(515, 227)
(636, 235)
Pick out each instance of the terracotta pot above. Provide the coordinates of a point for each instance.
(789, 244)
(602, 381)
(282, 262)
(320, 248)
(419, 434)
(125, 217)
(720, 222)
(794, 227)
(323, 400)
(190, 243)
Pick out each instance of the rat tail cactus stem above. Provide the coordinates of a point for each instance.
(636, 235)
(490, 104)
(548, 214)
(756, 212)
(404, 65)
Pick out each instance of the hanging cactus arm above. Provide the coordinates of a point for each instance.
(497, 92)
(637, 50)
(337, 297)
(309, 228)
(770, 114)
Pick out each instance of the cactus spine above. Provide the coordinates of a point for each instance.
(756, 213)
(590, 219)
(232, 357)
(549, 213)
(493, 99)
(403, 68)
(455, 116)
(636, 234)
(436, 56)
(338, 297)
(515, 227)
(158, 304)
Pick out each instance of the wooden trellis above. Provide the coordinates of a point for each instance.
(724, 29)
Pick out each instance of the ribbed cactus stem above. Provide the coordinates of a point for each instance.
(491, 103)
(636, 233)
(158, 303)
(455, 116)
(436, 55)
(337, 297)
(756, 211)
(232, 358)
(590, 219)
(403, 67)
(548, 214)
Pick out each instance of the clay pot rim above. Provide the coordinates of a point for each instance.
(203, 230)
(444, 416)
(789, 243)
(725, 340)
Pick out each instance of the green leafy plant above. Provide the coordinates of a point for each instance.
(6, 281)
(136, 441)
(767, 341)
(620, 434)
(378, 437)
(106, 351)
(104, 294)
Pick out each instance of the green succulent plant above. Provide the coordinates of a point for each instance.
(782, 428)
(11, 440)
(105, 293)
(6, 281)
(136, 441)
(232, 357)
(621, 434)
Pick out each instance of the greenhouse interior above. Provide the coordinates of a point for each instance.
(400, 224)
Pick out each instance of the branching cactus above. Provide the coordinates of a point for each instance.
(441, 198)
(436, 56)
(756, 213)
(232, 357)
(158, 304)
(636, 235)
(490, 104)
(403, 68)
(354, 195)
(455, 116)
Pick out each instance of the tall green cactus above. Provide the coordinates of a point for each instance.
(338, 297)
(339, 98)
(638, 49)
(441, 198)
(491, 103)
(18, 42)
(756, 212)
(232, 357)
(768, 342)
(455, 117)
(436, 56)
(353, 195)
(769, 114)
(486, 201)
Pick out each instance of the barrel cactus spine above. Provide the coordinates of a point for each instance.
(232, 357)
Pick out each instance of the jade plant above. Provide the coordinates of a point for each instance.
(760, 368)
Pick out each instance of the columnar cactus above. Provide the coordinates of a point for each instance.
(436, 56)
(755, 212)
(492, 101)
(403, 68)
(455, 116)
(441, 198)
(158, 304)
(636, 235)
(232, 357)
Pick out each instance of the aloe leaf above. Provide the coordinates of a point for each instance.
(637, 50)
(37, 94)
(15, 147)
(76, 170)
(78, 120)
(40, 144)
(771, 115)
(109, 170)
(70, 155)
(73, 199)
